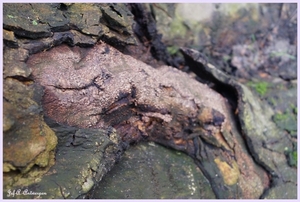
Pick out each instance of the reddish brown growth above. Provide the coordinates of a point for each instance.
(100, 87)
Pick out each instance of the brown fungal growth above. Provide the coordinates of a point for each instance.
(114, 89)
(100, 87)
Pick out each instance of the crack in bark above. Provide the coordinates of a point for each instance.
(91, 84)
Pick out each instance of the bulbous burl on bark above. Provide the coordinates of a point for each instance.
(100, 87)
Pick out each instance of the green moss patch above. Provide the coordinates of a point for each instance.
(172, 50)
(286, 121)
(292, 157)
(260, 87)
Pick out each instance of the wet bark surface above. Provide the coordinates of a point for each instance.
(77, 72)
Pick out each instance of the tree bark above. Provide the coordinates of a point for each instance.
(100, 87)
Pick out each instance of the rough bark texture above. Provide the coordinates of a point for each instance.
(24, 128)
(243, 155)
(100, 87)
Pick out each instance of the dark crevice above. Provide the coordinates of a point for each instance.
(21, 78)
(146, 32)
(62, 7)
(114, 10)
(227, 91)
(72, 88)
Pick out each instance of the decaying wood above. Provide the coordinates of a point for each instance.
(100, 87)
